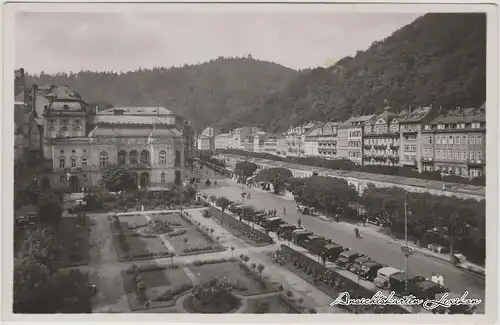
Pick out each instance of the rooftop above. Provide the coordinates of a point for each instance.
(461, 115)
(136, 131)
(61, 93)
(124, 119)
(141, 111)
(358, 119)
(413, 114)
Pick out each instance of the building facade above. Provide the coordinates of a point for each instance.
(454, 143)
(222, 141)
(381, 140)
(327, 141)
(270, 145)
(150, 141)
(204, 142)
(350, 138)
(259, 139)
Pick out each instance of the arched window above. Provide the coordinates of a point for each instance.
(163, 158)
(132, 157)
(122, 157)
(103, 158)
(163, 177)
(144, 157)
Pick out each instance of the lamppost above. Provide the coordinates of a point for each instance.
(407, 251)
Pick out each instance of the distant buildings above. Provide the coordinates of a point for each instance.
(454, 143)
(423, 138)
(206, 139)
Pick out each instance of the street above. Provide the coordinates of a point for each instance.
(378, 248)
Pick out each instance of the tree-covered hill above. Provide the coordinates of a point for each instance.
(206, 93)
(439, 59)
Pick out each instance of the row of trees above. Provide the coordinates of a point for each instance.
(348, 165)
(461, 222)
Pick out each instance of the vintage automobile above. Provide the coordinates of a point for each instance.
(369, 270)
(426, 289)
(285, 230)
(271, 224)
(299, 235)
(356, 265)
(332, 251)
(397, 282)
(314, 244)
(383, 276)
(460, 261)
(346, 258)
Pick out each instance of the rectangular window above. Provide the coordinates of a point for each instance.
(450, 154)
(73, 162)
(457, 139)
(472, 157)
(479, 140)
(62, 162)
(450, 139)
(472, 139)
(479, 155)
(457, 154)
(445, 155)
(464, 139)
(84, 162)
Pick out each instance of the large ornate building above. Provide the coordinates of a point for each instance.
(155, 143)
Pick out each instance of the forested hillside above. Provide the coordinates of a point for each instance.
(438, 59)
(206, 93)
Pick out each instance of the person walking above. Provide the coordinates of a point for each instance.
(356, 232)
(284, 211)
(434, 278)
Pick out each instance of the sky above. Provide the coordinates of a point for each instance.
(63, 42)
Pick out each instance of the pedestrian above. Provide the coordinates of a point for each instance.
(356, 232)
(440, 280)
(434, 278)
(284, 211)
(364, 222)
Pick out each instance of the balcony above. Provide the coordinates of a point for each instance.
(475, 163)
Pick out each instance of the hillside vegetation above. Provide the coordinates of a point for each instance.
(439, 59)
(206, 93)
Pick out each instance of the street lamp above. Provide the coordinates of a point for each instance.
(407, 251)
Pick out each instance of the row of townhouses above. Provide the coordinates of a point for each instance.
(425, 138)
(79, 140)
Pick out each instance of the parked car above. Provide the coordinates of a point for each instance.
(346, 258)
(332, 251)
(426, 289)
(397, 282)
(377, 221)
(271, 224)
(285, 230)
(314, 244)
(356, 265)
(369, 270)
(383, 276)
(438, 248)
(299, 235)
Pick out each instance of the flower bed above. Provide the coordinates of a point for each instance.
(251, 236)
(132, 252)
(173, 294)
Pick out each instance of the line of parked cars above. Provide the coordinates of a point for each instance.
(383, 276)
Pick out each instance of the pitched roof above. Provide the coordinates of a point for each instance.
(128, 110)
(386, 115)
(123, 119)
(465, 115)
(361, 119)
(413, 115)
(61, 92)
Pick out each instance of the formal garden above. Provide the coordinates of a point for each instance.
(222, 286)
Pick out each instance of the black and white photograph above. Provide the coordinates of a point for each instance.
(250, 161)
